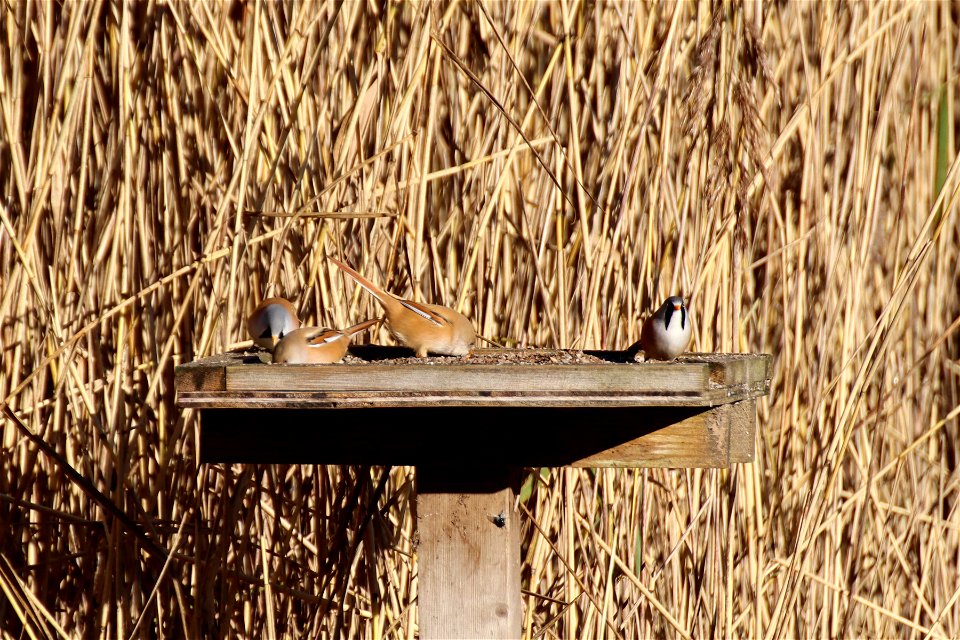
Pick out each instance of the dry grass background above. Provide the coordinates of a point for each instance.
(553, 168)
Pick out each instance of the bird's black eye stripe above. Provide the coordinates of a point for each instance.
(667, 315)
(266, 333)
(683, 317)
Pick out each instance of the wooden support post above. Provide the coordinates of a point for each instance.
(469, 552)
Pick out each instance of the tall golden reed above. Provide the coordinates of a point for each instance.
(553, 169)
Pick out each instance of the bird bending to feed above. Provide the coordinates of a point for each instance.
(666, 333)
(315, 345)
(426, 328)
(271, 320)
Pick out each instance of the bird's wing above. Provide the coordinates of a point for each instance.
(322, 336)
(425, 312)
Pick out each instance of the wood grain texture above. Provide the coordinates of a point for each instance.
(742, 417)
(199, 379)
(459, 378)
(479, 398)
(468, 553)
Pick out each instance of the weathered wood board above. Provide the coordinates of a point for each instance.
(698, 411)
(469, 552)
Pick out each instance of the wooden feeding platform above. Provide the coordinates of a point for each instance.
(469, 425)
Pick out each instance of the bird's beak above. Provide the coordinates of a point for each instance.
(676, 307)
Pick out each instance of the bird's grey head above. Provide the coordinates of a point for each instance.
(672, 305)
(278, 322)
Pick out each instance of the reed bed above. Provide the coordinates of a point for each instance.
(553, 169)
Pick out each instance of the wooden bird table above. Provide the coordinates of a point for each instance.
(470, 426)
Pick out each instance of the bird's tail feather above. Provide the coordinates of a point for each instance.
(374, 290)
(357, 328)
(634, 349)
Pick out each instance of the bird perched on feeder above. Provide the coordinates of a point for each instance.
(426, 328)
(666, 333)
(272, 320)
(315, 345)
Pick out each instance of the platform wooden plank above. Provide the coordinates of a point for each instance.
(244, 380)
(698, 411)
(493, 399)
(466, 378)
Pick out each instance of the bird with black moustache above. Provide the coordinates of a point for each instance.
(666, 333)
